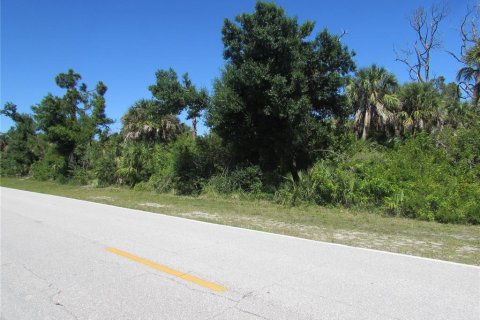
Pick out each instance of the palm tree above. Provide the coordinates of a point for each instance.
(421, 108)
(372, 95)
(145, 121)
(471, 73)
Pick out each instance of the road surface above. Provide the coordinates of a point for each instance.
(71, 259)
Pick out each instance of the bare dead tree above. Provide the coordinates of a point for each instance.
(425, 24)
(469, 32)
(344, 33)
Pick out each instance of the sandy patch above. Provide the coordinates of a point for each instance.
(102, 198)
(199, 214)
(154, 205)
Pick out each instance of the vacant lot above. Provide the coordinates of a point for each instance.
(458, 243)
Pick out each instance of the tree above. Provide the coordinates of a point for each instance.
(453, 112)
(146, 121)
(72, 121)
(425, 24)
(18, 143)
(172, 97)
(422, 108)
(99, 120)
(469, 75)
(168, 92)
(195, 102)
(372, 95)
(279, 91)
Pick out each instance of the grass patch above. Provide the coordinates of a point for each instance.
(458, 243)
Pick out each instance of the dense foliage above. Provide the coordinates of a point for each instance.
(290, 121)
(278, 89)
(429, 177)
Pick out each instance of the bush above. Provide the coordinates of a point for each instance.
(437, 182)
(144, 186)
(136, 163)
(220, 183)
(245, 180)
(104, 157)
(184, 167)
(51, 167)
(162, 183)
(161, 179)
(105, 170)
(212, 156)
(80, 177)
(428, 177)
(305, 191)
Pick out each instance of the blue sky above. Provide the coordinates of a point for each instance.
(123, 43)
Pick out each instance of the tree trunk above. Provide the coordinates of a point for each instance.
(397, 129)
(356, 123)
(475, 92)
(366, 122)
(421, 125)
(194, 128)
(292, 164)
(295, 176)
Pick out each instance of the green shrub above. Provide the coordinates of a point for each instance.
(304, 191)
(428, 177)
(104, 158)
(80, 177)
(186, 178)
(437, 182)
(247, 179)
(220, 183)
(136, 163)
(212, 156)
(51, 167)
(105, 170)
(244, 179)
(144, 186)
(162, 183)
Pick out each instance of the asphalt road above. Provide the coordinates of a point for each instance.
(71, 259)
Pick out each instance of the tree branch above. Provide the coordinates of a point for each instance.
(425, 25)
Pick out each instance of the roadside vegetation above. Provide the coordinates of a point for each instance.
(359, 228)
(294, 124)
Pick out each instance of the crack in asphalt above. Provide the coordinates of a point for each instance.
(58, 303)
(24, 266)
(250, 294)
(50, 285)
(251, 313)
(246, 295)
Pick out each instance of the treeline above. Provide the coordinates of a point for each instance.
(291, 120)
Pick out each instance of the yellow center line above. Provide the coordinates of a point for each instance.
(173, 272)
